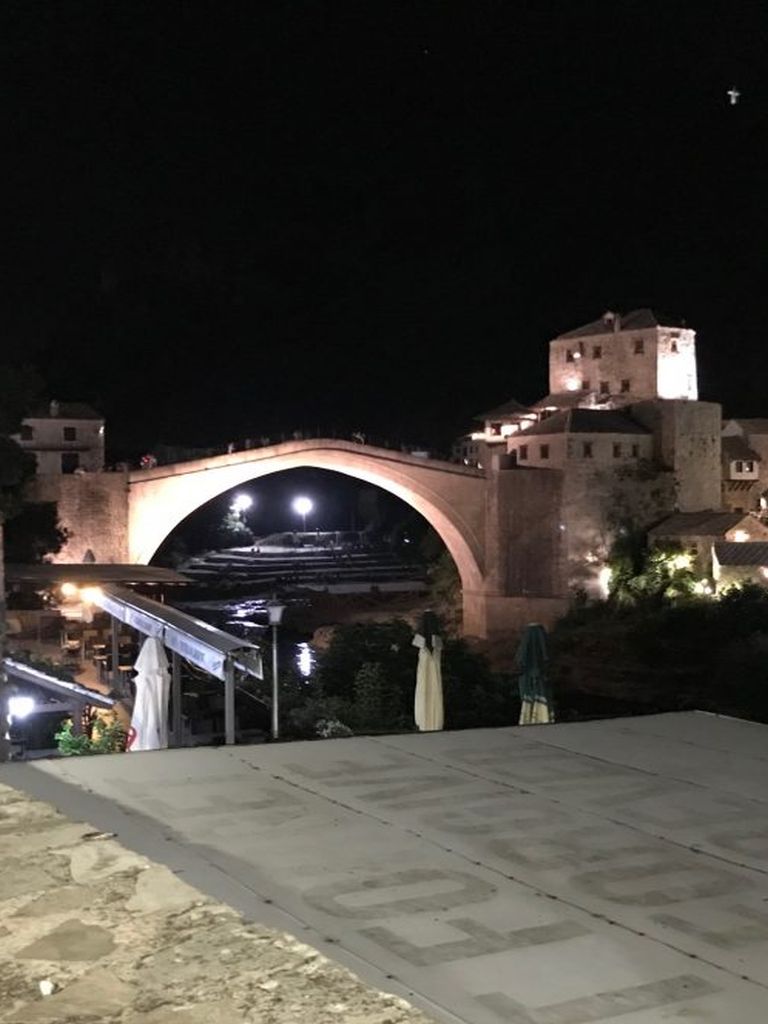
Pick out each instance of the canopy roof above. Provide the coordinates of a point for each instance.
(63, 687)
(90, 574)
(209, 648)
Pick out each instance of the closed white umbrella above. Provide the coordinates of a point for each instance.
(149, 722)
(428, 699)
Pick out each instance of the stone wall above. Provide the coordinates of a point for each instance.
(597, 502)
(687, 441)
(618, 361)
(94, 508)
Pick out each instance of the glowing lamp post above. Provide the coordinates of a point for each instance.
(275, 611)
(303, 506)
(240, 504)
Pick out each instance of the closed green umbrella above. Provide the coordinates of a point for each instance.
(536, 706)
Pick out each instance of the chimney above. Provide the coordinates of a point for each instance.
(54, 408)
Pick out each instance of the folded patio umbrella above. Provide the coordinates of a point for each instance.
(428, 699)
(149, 721)
(536, 706)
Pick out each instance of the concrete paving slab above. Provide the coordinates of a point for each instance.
(602, 871)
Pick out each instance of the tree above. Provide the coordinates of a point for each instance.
(34, 533)
(20, 388)
(231, 532)
(378, 701)
(643, 573)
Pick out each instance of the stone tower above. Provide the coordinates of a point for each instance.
(622, 359)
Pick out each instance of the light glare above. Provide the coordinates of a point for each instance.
(302, 506)
(241, 503)
(20, 707)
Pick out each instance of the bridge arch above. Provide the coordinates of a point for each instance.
(451, 498)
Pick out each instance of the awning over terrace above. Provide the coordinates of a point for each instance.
(218, 653)
(78, 694)
(203, 645)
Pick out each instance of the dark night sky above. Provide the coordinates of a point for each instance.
(220, 220)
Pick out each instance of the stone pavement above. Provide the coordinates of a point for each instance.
(605, 871)
(91, 932)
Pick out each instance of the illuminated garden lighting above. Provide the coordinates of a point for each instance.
(681, 562)
(69, 590)
(604, 580)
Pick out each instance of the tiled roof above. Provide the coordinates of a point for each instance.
(747, 553)
(66, 411)
(692, 524)
(586, 421)
(510, 408)
(561, 400)
(754, 426)
(634, 321)
(735, 447)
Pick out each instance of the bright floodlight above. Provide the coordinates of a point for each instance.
(20, 707)
(241, 503)
(303, 506)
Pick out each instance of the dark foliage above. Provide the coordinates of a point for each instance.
(695, 653)
(34, 533)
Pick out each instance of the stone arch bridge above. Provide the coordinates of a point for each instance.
(500, 525)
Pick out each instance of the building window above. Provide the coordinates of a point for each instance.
(617, 451)
(639, 346)
(635, 451)
(604, 387)
(544, 451)
(26, 433)
(749, 467)
(624, 387)
(70, 433)
(739, 467)
(597, 351)
(495, 429)
(586, 449)
(673, 345)
(568, 355)
(70, 461)
(522, 452)
(585, 384)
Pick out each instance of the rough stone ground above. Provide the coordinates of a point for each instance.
(121, 939)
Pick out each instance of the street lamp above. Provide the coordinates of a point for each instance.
(275, 612)
(303, 506)
(240, 504)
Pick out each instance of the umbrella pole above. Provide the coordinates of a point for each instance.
(176, 698)
(229, 703)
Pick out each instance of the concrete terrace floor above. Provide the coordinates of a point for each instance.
(600, 871)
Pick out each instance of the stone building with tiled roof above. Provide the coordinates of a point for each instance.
(624, 431)
(64, 437)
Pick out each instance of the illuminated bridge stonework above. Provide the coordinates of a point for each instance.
(501, 526)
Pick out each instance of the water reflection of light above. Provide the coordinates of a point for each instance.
(305, 659)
